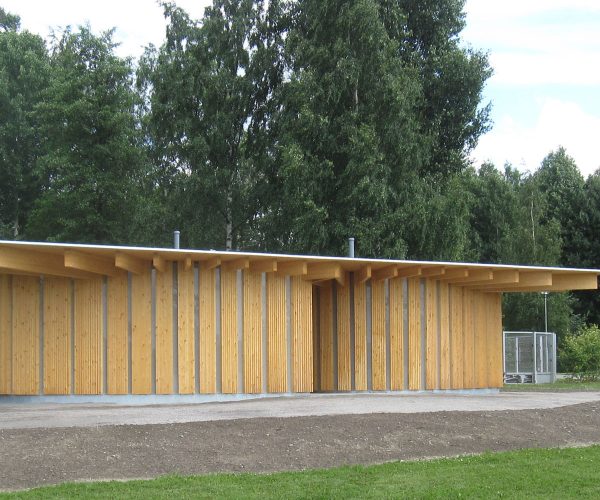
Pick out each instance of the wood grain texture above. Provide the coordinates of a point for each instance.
(88, 337)
(414, 335)
(495, 369)
(252, 332)
(431, 335)
(208, 328)
(326, 337)
(57, 336)
(378, 340)
(5, 334)
(185, 329)
(117, 332)
(445, 358)
(141, 333)
(468, 341)
(25, 335)
(229, 334)
(302, 334)
(343, 332)
(277, 378)
(480, 307)
(457, 336)
(360, 336)
(396, 335)
(164, 330)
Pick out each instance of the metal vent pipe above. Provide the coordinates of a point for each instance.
(176, 235)
(351, 248)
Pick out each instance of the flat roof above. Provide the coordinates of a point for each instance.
(82, 261)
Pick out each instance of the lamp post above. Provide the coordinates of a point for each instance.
(545, 294)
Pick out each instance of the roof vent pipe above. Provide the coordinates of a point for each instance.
(176, 239)
(351, 248)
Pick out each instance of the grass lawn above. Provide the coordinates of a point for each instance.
(553, 473)
(566, 385)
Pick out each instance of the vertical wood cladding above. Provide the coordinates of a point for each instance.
(440, 337)
(57, 336)
(431, 335)
(326, 337)
(378, 340)
(117, 335)
(6, 355)
(360, 336)
(302, 338)
(414, 335)
(141, 333)
(276, 334)
(164, 330)
(185, 328)
(208, 340)
(25, 335)
(396, 335)
(88, 337)
(252, 332)
(229, 333)
(343, 334)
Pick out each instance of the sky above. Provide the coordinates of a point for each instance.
(545, 90)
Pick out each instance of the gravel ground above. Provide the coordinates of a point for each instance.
(37, 456)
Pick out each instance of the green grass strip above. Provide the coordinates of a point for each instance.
(566, 385)
(541, 473)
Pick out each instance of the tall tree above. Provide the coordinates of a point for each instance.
(212, 86)
(87, 120)
(23, 77)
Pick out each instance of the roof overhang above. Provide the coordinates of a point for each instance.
(81, 261)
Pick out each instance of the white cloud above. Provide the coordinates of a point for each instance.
(559, 123)
(138, 22)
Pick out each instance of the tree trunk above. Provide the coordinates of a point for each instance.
(228, 224)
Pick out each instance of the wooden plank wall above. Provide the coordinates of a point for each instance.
(229, 332)
(277, 376)
(208, 328)
(302, 335)
(88, 337)
(344, 337)
(458, 346)
(396, 335)
(378, 336)
(25, 335)
(253, 332)
(5, 335)
(57, 336)
(117, 335)
(141, 333)
(185, 329)
(164, 330)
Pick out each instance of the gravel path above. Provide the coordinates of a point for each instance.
(37, 456)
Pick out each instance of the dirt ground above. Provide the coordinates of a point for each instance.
(32, 457)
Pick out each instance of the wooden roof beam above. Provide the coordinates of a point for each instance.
(90, 263)
(454, 274)
(234, 265)
(16, 260)
(292, 268)
(384, 273)
(211, 263)
(433, 272)
(363, 274)
(159, 263)
(263, 266)
(526, 280)
(132, 264)
(501, 278)
(410, 272)
(324, 271)
(475, 277)
(561, 282)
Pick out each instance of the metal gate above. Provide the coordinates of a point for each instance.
(529, 357)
